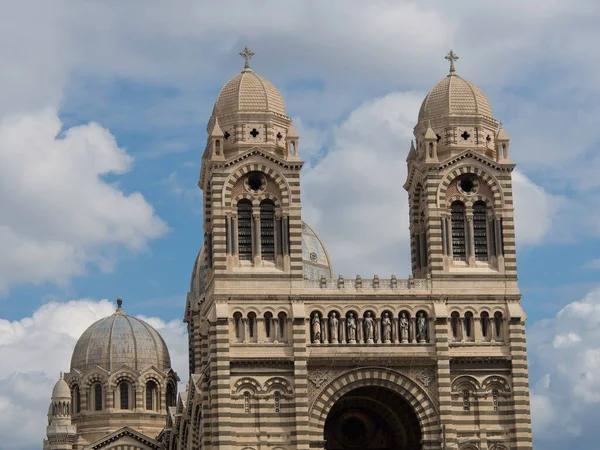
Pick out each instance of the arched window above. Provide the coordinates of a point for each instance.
(170, 395)
(151, 395)
(267, 230)
(245, 230)
(268, 321)
(124, 394)
(237, 319)
(454, 318)
(480, 231)
(495, 399)
(485, 320)
(458, 231)
(251, 324)
(498, 324)
(282, 323)
(98, 397)
(246, 402)
(77, 400)
(466, 403)
(277, 401)
(469, 324)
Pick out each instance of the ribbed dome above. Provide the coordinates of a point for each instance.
(119, 340)
(61, 390)
(249, 92)
(454, 96)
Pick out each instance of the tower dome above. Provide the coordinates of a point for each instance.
(120, 339)
(61, 390)
(454, 96)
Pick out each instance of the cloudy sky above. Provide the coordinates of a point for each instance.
(103, 108)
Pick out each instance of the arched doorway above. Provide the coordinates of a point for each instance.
(372, 418)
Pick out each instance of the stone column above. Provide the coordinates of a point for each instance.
(256, 247)
(325, 329)
(395, 331)
(470, 240)
(234, 237)
(227, 235)
(462, 330)
(246, 330)
(377, 337)
(477, 331)
(449, 232)
(359, 330)
(492, 329)
(342, 331)
(276, 337)
(412, 331)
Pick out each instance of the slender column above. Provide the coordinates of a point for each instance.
(412, 332)
(256, 248)
(470, 241)
(477, 331)
(246, 329)
(359, 330)
(377, 336)
(228, 235)
(395, 332)
(325, 329)
(234, 236)
(492, 329)
(276, 336)
(342, 331)
(449, 233)
(444, 236)
(285, 236)
(462, 330)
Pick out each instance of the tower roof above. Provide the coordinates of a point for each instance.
(120, 339)
(61, 390)
(248, 92)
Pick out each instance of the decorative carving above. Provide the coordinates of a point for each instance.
(318, 378)
(386, 325)
(316, 327)
(333, 327)
(351, 323)
(425, 376)
(369, 328)
(313, 257)
(403, 327)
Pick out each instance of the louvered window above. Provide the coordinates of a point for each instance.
(458, 231)
(267, 230)
(480, 231)
(245, 230)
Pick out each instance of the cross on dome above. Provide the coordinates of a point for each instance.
(247, 54)
(452, 57)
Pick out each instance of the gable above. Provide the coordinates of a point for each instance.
(125, 439)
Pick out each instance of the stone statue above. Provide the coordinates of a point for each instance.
(403, 327)
(316, 326)
(333, 327)
(386, 325)
(351, 321)
(422, 327)
(369, 327)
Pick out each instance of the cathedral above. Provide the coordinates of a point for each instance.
(284, 355)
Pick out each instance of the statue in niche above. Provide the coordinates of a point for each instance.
(351, 321)
(386, 325)
(403, 327)
(333, 327)
(316, 327)
(422, 327)
(369, 327)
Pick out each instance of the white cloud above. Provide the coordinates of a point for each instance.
(58, 212)
(40, 346)
(566, 350)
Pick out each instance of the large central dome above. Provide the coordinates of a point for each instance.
(119, 340)
(249, 92)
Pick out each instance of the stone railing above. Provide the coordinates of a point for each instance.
(368, 283)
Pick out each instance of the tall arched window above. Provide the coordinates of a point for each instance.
(237, 321)
(98, 397)
(480, 231)
(251, 324)
(454, 318)
(458, 231)
(77, 399)
(267, 230)
(268, 321)
(469, 325)
(151, 395)
(245, 230)
(170, 395)
(124, 394)
(498, 324)
(485, 321)
(282, 326)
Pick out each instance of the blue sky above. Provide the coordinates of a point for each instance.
(103, 110)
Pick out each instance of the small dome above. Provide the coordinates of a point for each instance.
(249, 92)
(61, 390)
(454, 96)
(119, 340)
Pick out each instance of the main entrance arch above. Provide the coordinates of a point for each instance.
(392, 410)
(372, 418)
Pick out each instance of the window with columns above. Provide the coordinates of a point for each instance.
(267, 230)
(244, 210)
(97, 404)
(458, 220)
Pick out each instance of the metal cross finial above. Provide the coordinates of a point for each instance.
(247, 53)
(451, 56)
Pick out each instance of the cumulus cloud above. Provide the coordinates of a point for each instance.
(353, 195)
(58, 211)
(40, 346)
(565, 367)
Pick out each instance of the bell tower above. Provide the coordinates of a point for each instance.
(459, 185)
(250, 179)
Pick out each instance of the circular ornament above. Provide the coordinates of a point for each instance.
(468, 185)
(255, 182)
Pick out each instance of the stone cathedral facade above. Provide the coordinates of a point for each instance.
(284, 355)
